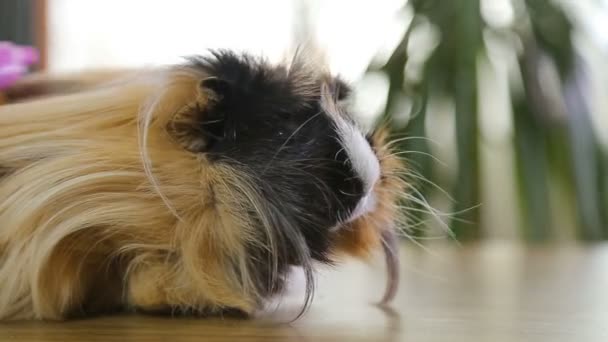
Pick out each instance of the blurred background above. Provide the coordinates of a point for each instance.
(499, 107)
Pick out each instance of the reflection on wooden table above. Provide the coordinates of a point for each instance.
(490, 292)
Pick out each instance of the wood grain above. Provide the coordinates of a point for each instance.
(489, 292)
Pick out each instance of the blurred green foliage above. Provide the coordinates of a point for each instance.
(15, 21)
(547, 145)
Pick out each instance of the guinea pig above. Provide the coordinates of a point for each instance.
(191, 188)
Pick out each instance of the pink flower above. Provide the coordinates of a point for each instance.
(14, 62)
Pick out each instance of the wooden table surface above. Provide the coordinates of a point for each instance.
(490, 292)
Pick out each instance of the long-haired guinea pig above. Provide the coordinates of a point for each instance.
(187, 189)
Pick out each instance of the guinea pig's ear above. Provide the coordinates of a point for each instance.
(217, 88)
(200, 124)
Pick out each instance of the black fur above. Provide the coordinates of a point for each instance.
(262, 121)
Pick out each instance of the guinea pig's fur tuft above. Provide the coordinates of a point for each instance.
(185, 189)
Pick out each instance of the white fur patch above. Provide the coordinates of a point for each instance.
(363, 160)
(365, 205)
